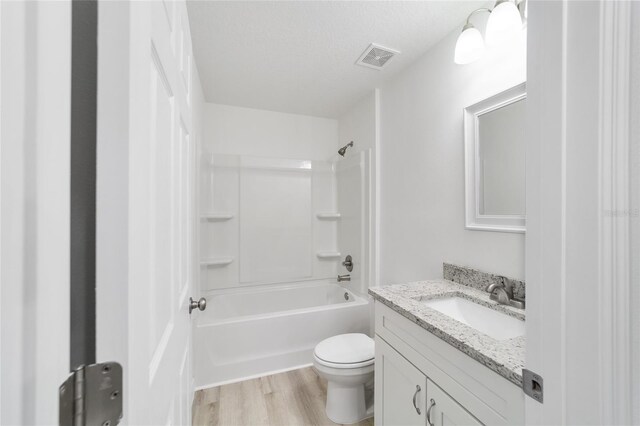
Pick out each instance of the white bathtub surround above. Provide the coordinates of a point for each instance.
(353, 177)
(270, 220)
(253, 332)
(346, 361)
(271, 225)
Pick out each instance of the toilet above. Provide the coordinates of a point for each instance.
(346, 362)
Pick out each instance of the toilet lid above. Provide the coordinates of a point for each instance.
(350, 348)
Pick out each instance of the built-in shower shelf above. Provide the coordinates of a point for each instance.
(328, 215)
(216, 217)
(216, 261)
(328, 254)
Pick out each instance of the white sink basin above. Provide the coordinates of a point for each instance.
(488, 321)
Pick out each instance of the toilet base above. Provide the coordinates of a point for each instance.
(349, 393)
(347, 404)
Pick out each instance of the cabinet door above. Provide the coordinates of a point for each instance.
(444, 410)
(400, 389)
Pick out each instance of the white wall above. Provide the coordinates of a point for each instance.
(358, 124)
(246, 131)
(421, 165)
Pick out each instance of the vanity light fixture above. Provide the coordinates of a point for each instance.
(504, 21)
(470, 45)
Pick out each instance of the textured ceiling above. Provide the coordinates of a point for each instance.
(298, 56)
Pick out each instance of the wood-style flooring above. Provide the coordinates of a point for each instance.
(292, 398)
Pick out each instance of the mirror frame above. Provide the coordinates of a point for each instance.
(473, 219)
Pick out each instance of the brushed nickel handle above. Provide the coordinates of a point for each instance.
(432, 404)
(415, 395)
(200, 304)
(346, 277)
(348, 263)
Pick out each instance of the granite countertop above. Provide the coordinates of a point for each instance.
(505, 357)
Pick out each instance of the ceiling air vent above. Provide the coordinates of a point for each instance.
(375, 56)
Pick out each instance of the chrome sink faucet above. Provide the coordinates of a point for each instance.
(503, 294)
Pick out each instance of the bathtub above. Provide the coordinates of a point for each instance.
(254, 332)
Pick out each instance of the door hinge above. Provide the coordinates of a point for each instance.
(533, 385)
(92, 395)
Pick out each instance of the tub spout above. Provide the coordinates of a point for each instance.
(346, 277)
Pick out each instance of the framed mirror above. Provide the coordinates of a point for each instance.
(494, 140)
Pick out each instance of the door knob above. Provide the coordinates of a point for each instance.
(200, 304)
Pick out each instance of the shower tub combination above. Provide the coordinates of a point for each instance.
(252, 332)
(268, 267)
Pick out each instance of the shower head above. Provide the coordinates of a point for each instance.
(342, 150)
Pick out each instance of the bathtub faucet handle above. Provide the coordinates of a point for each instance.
(348, 263)
(200, 304)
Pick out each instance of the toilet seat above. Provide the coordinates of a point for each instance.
(343, 366)
(353, 350)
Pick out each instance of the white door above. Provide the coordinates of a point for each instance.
(442, 410)
(400, 389)
(160, 238)
(145, 205)
(578, 259)
(35, 96)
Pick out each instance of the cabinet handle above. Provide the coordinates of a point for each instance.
(415, 395)
(432, 404)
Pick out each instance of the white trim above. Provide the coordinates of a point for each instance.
(376, 178)
(474, 220)
(545, 243)
(614, 241)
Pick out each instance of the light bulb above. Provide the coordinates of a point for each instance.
(504, 21)
(469, 46)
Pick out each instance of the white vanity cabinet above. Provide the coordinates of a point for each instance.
(416, 370)
(407, 397)
(401, 389)
(445, 411)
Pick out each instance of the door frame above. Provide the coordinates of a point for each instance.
(35, 202)
(112, 189)
(578, 239)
